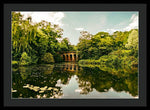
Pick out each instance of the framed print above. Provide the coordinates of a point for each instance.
(75, 54)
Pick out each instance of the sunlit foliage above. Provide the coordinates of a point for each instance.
(48, 58)
(118, 49)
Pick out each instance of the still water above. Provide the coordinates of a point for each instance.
(70, 80)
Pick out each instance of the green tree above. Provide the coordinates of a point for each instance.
(65, 45)
(48, 58)
(34, 38)
(132, 42)
(23, 32)
(25, 59)
(120, 38)
(94, 46)
(84, 44)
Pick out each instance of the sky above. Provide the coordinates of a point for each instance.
(73, 22)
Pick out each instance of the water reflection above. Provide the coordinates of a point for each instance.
(70, 80)
(67, 66)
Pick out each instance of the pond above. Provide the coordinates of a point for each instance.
(69, 80)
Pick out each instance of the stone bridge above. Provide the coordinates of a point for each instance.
(69, 56)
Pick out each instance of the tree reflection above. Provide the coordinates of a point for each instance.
(102, 81)
(85, 87)
(39, 76)
(41, 81)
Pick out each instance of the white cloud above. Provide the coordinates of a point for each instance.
(53, 17)
(79, 29)
(134, 22)
(133, 17)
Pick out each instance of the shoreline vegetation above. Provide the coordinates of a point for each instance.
(38, 43)
(124, 59)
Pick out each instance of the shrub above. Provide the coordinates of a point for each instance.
(48, 58)
(25, 59)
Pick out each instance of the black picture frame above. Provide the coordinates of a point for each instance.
(141, 8)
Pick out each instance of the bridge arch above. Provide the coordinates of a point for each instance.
(69, 56)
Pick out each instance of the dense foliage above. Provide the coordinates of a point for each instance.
(36, 39)
(118, 49)
(48, 58)
(25, 59)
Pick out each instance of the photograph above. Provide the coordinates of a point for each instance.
(75, 54)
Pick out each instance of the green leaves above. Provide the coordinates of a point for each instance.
(94, 46)
(132, 40)
(25, 59)
(23, 32)
(48, 58)
(33, 38)
(65, 45)
(102, 43)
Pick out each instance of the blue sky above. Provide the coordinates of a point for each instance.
(73, 22)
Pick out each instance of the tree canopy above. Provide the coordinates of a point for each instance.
(37, 39)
